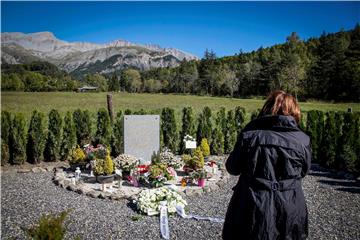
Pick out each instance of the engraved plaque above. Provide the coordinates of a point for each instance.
(142, 136)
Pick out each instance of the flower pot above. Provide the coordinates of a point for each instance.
(201, 182)
(105, 179)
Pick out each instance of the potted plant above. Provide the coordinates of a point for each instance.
(200, 175)
(127, 163)
(193, 162)
(104, 169)
(77, 159)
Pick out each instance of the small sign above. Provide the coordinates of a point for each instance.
(190, 144)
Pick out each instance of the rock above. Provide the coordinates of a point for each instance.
(72, 187)
(214, 187)
(341, 174)
(220, 183)
(59, 169)
(49, 168)
(94, 194)
(207, 189)
(349, 176)
(23, 170)
(38, 170)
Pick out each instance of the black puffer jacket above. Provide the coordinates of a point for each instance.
(271, 155)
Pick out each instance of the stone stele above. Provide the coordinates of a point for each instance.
(142, 136)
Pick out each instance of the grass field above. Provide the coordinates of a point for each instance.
(69, 101)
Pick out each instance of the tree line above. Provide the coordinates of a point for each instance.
(325, 68)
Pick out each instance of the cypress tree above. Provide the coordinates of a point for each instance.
(231, 133)
(82, 121)
(103, 132)
(240, 114)
(118, 136)
(311, 129)
(327, 150)
(204, 126)
(320, 125)
(53, 140)
(35, 139)
(302, 121)
(5, 133)
(188, 126)
(347, 156)
(169, 129)
(255, 114)
(217, 145)
(17, 140)
(68, 138)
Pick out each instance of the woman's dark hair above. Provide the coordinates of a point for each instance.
(281, 103)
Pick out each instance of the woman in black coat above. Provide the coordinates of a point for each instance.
(271, 156)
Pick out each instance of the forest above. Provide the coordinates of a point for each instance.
(323, 68)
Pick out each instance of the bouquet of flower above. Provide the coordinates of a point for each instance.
(167, 157)
(92, 153)
(126, 162)
(148, 201)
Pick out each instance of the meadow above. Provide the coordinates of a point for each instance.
(26, 102)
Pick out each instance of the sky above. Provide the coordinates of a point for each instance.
(224, 27)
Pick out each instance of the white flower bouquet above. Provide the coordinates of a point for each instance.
(167, 157)
(148, 201)
(126, 162)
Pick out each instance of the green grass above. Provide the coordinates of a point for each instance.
(69, 101)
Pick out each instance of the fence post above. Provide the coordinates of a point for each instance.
(110, 107)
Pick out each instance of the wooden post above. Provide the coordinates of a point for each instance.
(110, 107)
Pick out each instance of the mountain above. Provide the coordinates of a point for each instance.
(84, 57)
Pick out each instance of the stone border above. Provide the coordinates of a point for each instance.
(61, 180)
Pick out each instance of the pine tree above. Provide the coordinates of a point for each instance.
(35, 139)
(103, 132)
(118, 136)
(230, 137)
(53, 140)
(188, 126)
(169, 129)
(68, 138)
(5, 134)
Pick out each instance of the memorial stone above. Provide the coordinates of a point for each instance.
(142, 136)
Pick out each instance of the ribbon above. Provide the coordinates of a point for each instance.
(181, 212)
(164, 224)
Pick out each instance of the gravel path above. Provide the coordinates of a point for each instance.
(334, 208)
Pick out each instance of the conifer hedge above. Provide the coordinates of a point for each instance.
(217, 145)
(5, 136)
(169, 130)
(240, 114)
(82, 121)
(103, 129)
(117, 142)
(205, 126)
(17, 142)
(231, 132)
(68, 141)
(35, 138)
(53, 140)
(187, 127)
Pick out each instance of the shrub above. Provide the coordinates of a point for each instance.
(117, 142)
(69, 137)
(53, 140)
(104, 166)
(103, 132)
(199, 158)
(217, 145)
(240, 114)
(5, 133)
(204, 129)
(17, 147)
(320, 126)
(327, 149)
(49, 227)
(77, 155)
(127, 112)
(204, 146)
(35, 140)
(169, 129)
(188, 126)
(231, 133)
(311, 128)
(348, 140)
(82, 121)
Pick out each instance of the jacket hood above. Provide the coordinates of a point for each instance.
(273, 122)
